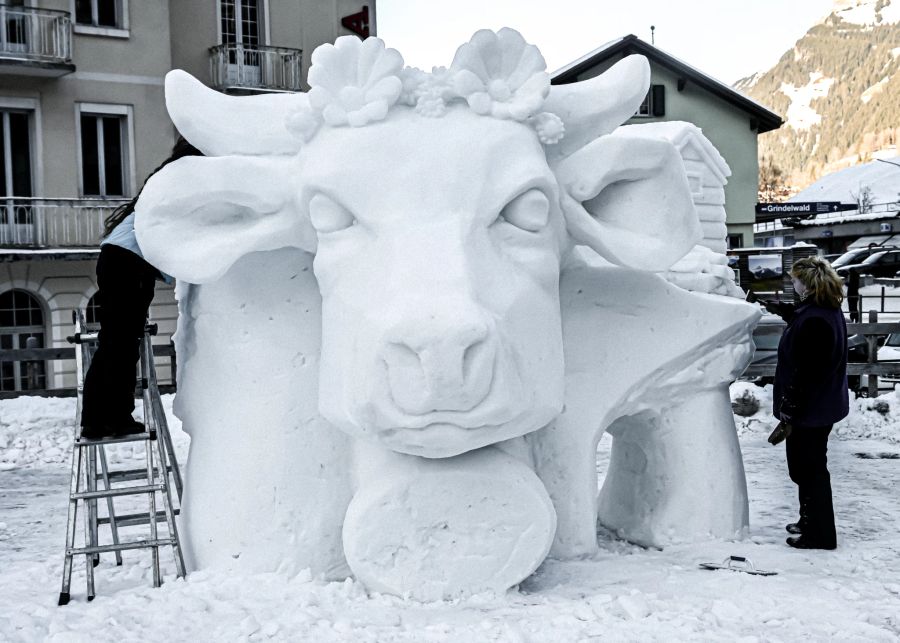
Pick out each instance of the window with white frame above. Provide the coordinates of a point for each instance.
(15, 160)
(242, 31)
(108, 14)
(13, 26)
(735, 241)
(654, 103)
(16, 178)
(104, 151)
(241, 21)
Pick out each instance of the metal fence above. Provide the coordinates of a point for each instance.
(263, 68)
(37, 359)
(55, 223)
(873, 331)
(29, 33)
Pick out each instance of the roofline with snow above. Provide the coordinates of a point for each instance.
(682, 135)
(766, 120)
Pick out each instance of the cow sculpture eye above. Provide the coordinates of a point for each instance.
(529, 211)
(327, 216)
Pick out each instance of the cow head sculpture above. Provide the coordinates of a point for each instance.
(440, 208)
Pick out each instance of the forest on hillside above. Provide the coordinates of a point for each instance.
(860, 115)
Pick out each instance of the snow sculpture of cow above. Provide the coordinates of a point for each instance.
(410, 305)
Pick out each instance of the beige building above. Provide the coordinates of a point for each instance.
(679, 92)
(83, 122)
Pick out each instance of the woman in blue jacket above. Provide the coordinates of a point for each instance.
(811, 395)
(126, 283)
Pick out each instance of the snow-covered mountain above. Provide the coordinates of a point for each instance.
(838, 90)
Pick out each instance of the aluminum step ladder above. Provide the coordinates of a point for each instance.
(88, 485)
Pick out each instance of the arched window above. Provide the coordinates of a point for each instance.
(21, 326)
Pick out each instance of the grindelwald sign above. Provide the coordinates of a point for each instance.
(770, 211)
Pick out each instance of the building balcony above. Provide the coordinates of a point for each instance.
(35, 42)
(42, 224)
(256, 69)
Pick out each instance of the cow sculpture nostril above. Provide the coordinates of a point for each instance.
(474, 358)
(451, 371)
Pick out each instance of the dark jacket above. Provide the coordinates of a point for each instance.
(811, 375)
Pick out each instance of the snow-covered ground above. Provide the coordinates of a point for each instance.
(624, 593)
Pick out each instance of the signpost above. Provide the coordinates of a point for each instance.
(772, 211)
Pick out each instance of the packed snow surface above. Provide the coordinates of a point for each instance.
(623, 593)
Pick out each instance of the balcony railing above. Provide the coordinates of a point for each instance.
(260, 68)
(32, 34)
(53, 223)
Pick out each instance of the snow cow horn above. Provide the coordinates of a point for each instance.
(594, 107)
(221, 125)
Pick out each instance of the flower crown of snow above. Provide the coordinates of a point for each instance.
(355, 82)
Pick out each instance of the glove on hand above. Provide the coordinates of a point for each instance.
(781, 432)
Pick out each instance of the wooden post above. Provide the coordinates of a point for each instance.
(31, 371)
(872, 343)
(882, 299)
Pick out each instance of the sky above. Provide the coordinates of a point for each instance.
(727, 39)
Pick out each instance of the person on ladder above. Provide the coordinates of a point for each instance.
(125, 284)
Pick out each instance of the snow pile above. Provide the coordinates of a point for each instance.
(869, 418)
(36, 432)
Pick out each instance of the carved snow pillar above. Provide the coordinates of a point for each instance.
(676, 473)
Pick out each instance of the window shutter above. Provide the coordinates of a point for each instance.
(659, 100)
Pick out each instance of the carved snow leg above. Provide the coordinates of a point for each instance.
(676, 473)
(565, 459)
(443, 528)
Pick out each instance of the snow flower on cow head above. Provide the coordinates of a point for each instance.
(356, 82)
(353, 82)
(428, 93)
(501, 75)
(549, 127)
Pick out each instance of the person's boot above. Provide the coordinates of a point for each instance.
(798, 527)
(107, 429)
(794, 527)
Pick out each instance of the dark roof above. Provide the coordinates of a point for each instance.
(766, 119)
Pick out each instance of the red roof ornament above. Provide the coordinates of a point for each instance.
(358, 23)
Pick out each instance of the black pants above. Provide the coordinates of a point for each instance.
(807, 461)
(126, 284)
(853, 307)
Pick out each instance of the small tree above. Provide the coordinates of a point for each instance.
(863, 199)
(771, 181)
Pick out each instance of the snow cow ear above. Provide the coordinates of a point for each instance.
(629, 200)
(198, 215)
